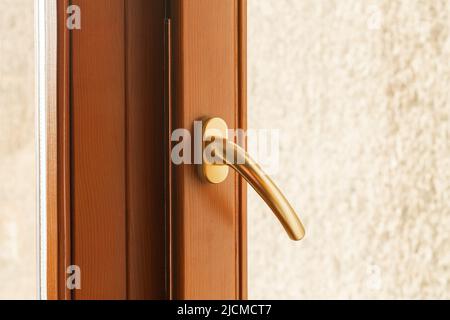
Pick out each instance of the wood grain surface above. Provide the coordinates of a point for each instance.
(99, 150)
(109, 142)
(208, 220)
(145, 149)
(115, 77)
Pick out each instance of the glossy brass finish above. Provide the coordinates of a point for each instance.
(223, 152)
(213, 129)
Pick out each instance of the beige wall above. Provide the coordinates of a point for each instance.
(17, 157)
(364, 108)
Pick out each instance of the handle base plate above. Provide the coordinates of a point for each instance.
(214, 173)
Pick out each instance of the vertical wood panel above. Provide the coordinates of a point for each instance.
(145, 149)
(50, 40)
(98, 150)
(58, 161)
(242, 122)
(168, 172)
(63, 161)
(207, 218)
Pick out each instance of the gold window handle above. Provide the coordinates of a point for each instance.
(219, 154)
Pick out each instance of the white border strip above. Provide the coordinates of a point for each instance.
(41, 84)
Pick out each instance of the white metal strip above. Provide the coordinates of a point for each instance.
(45, 40)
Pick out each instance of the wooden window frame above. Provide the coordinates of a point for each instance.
(146, 242)
(209, 80)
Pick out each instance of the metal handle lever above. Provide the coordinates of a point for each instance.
(223, 153)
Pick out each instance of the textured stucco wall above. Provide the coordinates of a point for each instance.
(17, 156)
(360, 90)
